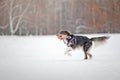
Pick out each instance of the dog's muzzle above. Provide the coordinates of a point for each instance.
(59, 37)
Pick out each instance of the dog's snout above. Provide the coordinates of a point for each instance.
(59, 36)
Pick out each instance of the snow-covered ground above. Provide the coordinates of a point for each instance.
(42, 58)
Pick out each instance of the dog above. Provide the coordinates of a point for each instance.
(75, 41)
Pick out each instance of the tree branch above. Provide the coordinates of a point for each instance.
(10, 16)
(4, 4)
(4, 27)
(20, 18)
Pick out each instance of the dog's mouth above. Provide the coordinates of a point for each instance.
(59, 37)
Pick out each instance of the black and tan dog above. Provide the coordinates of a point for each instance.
(75, 41)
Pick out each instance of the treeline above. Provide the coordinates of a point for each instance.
(42, 17)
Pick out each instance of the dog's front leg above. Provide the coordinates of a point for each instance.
(68, 50)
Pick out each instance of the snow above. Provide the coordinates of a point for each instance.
(42, 58)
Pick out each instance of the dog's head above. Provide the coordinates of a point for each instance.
(63, 35)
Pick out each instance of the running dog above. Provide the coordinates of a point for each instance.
(74, 41)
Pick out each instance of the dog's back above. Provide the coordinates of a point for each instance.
(80, 40)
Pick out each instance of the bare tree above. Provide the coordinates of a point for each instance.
(36, 17)
(14, 17)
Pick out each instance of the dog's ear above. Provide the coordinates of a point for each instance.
(65, 33)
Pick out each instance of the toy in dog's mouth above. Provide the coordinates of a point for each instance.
(59, 37)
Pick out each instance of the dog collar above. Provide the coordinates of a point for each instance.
(72, 40)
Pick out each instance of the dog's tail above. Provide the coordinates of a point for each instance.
(99, 40)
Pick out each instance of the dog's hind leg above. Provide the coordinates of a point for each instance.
(86, 48)
(90, 55)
